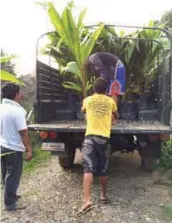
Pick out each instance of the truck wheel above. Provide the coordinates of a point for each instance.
(67, 160)
(148, 164)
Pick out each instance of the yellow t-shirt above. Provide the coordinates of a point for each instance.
(99, 108)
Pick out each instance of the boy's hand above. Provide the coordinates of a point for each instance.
(28, 156)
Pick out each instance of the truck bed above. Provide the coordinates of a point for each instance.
(121, 126)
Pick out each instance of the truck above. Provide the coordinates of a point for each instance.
(61, 127)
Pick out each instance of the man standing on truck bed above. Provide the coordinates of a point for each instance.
(99, 109)
(14, 140)
(109, 67)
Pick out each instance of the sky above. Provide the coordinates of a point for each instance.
(22, 21)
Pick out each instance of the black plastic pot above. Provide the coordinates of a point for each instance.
(128, 110)
(147, 101)
(67, 114)
(148, 115)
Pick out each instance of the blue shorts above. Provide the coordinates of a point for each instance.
(117, 85)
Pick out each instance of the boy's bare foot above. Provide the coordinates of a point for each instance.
(104, 199)
(85, 208)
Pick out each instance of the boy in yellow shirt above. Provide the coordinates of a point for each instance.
(99, 109)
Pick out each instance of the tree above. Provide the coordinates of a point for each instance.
(73, 38)
(8, 65)
(167, 18)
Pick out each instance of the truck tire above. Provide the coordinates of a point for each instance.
(148, 164)
(66, 161)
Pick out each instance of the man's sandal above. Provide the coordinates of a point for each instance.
(85, 210)
(104, 200)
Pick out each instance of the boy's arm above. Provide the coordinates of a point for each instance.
(26, 141)
(21, 126)
(114, 110)
(115, 115)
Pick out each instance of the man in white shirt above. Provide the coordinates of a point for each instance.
(14, 140)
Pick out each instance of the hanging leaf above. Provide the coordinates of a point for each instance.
(5, 76)
(72, 86)
(72, 67)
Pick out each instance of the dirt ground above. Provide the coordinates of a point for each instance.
(54, 195)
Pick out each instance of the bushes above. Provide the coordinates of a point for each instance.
(35, 141)
(166, 156)
(39, 158)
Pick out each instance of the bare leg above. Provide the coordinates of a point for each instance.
(103, 184)
(87, 182)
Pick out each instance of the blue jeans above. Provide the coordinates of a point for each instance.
(11, 169)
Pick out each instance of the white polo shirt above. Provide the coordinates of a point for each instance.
(12, 120)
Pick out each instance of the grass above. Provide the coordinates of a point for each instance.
(165, 162)
(39, 157)
(167, 211)
(165, 168)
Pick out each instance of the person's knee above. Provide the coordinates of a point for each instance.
(87, 167)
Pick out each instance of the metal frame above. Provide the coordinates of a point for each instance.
(166, 102)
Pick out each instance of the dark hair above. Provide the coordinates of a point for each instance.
(9, 90)
(100, 85)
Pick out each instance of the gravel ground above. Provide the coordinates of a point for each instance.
(54, 195)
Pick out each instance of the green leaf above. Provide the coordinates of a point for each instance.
(73, 33)
(130, 50)
(81, 18)
(73, 68)
(59, 45)
(122, 33)
(54, 37)
(73, 86)
(88, 44)
(55, 19)
(151, 23)
(89, 86)
(64, 18)
(6, 59)
(5, 76)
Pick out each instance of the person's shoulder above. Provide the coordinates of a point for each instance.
(107, 97)
(110, 99)
(19, 111)
(88, 98)
(113, 102)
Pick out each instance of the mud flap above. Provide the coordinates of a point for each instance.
(152, 149)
